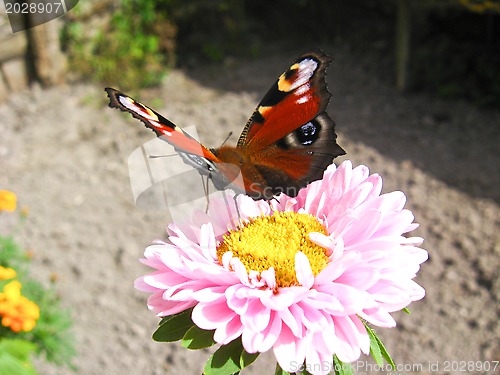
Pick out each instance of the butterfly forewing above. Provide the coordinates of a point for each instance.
(164, 128)
(290, 139)
(297, 97)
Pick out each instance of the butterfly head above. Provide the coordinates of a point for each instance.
(202, 164)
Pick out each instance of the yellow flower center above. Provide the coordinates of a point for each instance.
(273, 241)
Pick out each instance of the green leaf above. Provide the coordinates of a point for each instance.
(174, 328)
(341, 368)
(247, 359)
(18, 348)
(374, 347)
(385, 353)
(197, 338)
(229, 359)
(14, 357)
(10, 365)
(381, 347)
(226, 360)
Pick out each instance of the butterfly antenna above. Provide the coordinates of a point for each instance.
(227, 138)
(160, 156)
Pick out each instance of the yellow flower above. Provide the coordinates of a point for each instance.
(12, 291)
(7, 273)
(17, 312)
(8, 201)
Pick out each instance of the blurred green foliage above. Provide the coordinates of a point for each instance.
(126, 50)
(454, 48)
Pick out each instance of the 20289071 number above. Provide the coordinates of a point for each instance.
(30, 8)
(470, 366)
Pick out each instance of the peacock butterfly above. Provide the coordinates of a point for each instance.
(288, 141)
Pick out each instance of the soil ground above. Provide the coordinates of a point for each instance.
(65, 154)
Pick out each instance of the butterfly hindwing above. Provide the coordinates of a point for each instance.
(303, 155)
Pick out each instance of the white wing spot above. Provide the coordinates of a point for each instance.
(302, 90)
(130, 104)
(126, 101)
(306, 69)
(160, 126)
(302, 99)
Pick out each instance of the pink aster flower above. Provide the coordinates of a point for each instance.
(296, 275)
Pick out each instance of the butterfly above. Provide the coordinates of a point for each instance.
(288, 141)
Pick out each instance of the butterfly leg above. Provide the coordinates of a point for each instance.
(236, 206)
(206, 189)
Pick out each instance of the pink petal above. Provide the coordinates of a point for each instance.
(354, 197)
(303, 270)
(376, 182)
(313, 320)
(351, 299)
(289, 350)
(315, 363)
(212, 315)
(269, 277)
(234, 302)
(363, 228)
(285, 298)
(226, 333)
(348, 343)
(162, 308)
(336, 268)
(361, 277)
(263, 340)
(250, 208)
(341, 180)
(326, 242)
(359, 175)
(293, 317)
(378, 316)
(207, 242)
(209, 294)
(256, 317)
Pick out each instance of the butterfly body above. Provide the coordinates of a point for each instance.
(288, 141)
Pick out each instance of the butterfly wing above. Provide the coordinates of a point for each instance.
(290, 139)
(191, 151)
(298, 158)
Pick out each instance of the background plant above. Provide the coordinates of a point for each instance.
(453, 48)
(50, 337)
(132, 47)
